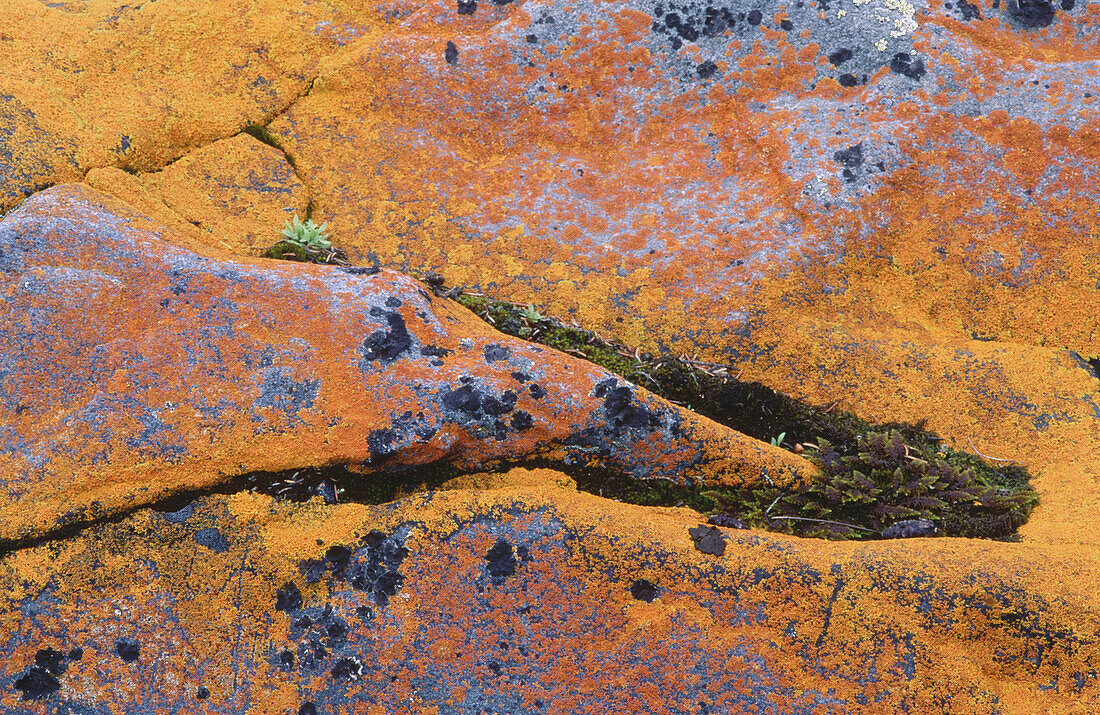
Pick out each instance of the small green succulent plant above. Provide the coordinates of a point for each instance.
(306, 235)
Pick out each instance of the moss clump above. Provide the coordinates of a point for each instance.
(306, 242)
(872, 475)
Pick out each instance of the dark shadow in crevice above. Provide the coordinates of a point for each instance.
(333, 484)
(873, 476)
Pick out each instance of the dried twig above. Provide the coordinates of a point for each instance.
(826, 521)
(985, 455)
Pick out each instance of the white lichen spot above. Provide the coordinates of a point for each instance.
(841, 13)
(906, 23)
(880, 44)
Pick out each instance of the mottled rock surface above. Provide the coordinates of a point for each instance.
(889, 205)
(133, 369)
(522, 600)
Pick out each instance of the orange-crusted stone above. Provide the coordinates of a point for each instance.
(133, 369)
(532, 600)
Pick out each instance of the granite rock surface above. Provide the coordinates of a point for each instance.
(529, 598)
(892, 206)
(133, 370)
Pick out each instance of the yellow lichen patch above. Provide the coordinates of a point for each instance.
(138, 86)
(518, 477)
(543, 582)
(238, 191)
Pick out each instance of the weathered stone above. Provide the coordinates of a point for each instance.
(887, 206)
(408, 613)
(132, 369)
(239, 191)
(137, 85)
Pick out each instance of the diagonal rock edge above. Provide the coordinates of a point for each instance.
(283, 367)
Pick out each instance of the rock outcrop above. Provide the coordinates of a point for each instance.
(134, 369)
(887, 206)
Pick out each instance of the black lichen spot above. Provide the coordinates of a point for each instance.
(620, 409)
(389, 583)
(840, 56)
(643, 590)
(288, 598)
(312, 569)
(531, 39)
(716, 21)
(128, 650)
(495, 353)
(909, 529)
(706, 69)
(1031, 13)
(286, 660)
(904, 64)
(968, 11)
(381, 443)
(307, 707)
(467, 8)
(347, 669)
(522, 421)
(37, 684)
(754, 17)
(202, 693)
(337, 632)
(492, 406)
(365, 613)
(310, 654)
(1067, 5)
(851, 157)
(465, 399)
(536, 391)
(303, 622)
(787, 25)
(50, 660)
(212, 539)
(76, 653)
(847, 80)
(708, 539)
(728, 521)
(388, 345)
(451, 53)
(338, 559)
(520, 377)
(502, 561)
(435, 351)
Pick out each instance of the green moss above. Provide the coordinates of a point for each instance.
(262, 134)
(293, 251)
(872, 475)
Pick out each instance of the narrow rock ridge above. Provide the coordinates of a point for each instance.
(135, 369)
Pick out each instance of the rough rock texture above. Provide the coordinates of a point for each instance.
(520, 600)
(131, 369)
(890, 204)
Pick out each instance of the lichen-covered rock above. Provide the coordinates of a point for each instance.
(531, 600)
(112, 83)
(131, 369)
(237, 190)
(889, 206)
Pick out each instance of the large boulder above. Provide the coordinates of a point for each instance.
(131, 369)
